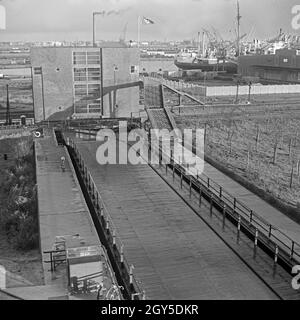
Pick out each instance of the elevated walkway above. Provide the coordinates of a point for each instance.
(175, 254)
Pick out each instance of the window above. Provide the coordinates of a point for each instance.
(86, 57)
(80, 74)
(79, 57)
(93, 57)
(132, 69)
(94, 89)
(80, 90)
(94, 74)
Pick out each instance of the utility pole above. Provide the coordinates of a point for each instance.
(8, 118)
(239, 17)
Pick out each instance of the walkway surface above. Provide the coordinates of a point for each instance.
(62, 211)
(175, 254)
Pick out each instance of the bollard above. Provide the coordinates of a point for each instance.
(224, 217)
(255, 244)
(238, 229)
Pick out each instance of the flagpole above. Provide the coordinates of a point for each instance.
(139, 31)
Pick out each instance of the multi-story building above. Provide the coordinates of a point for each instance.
(85, 82)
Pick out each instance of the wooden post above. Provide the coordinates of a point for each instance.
(200, 196)
(114, 237)
(211, 205)
(131, 274)
(224, 217)
(275, 260)
(238, 229)
(122, 253)
(181, 180)
(255, 243)
(292, 174)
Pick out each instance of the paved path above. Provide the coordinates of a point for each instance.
(62, 208)
(175, 254)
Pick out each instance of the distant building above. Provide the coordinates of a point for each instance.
(281, 67)
(85, 82)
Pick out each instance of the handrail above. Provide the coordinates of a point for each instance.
(254, 218)
(109, 224)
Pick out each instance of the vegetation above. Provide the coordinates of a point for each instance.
(18, 198)
(265, 151)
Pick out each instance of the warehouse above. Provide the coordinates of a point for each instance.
(281, 67)
(85, 82)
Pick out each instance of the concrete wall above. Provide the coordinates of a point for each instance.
(56, 64)
(119, 87)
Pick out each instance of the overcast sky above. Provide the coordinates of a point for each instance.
(174, 19)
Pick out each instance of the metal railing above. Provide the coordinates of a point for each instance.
(258, 229)
(109, 228)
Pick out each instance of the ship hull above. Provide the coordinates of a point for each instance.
(228, 67)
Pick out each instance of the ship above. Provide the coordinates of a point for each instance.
(213, 55)
(205, 64)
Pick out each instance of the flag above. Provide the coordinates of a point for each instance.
(147, 21)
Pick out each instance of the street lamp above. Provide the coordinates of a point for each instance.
(94, 35)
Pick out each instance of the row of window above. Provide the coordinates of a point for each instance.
(84, 58)
(87, 74)
(82, 90)
(90, 107)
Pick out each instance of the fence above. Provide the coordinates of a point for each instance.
(275, 242)
(112, 237)
(199, 90)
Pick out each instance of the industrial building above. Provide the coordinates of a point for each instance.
(85, 82)
(281, 67)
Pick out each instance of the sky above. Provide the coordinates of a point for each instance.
(37, 20)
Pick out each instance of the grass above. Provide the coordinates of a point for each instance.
(233, 143)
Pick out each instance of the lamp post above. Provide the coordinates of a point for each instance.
(94, 31)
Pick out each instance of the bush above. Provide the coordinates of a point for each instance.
(18, 213)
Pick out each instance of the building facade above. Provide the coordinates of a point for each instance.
(282, 67)
(85, 82)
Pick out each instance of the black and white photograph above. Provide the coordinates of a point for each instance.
(149, 151)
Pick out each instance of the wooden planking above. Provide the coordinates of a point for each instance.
(159, 230)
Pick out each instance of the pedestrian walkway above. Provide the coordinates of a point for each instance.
(175, 254)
